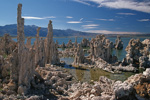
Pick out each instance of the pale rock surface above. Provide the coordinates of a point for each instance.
(79, 56)
(85, 43)
(69, 44)
(100, 47)
(51, 50)
(137, 53)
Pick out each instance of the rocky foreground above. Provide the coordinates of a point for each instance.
(54, 83)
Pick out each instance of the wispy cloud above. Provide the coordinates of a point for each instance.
(142, 6)
(38, 18)
(50, 17)
(144, 20)
(75, 22)
(126, 13)
(111, 32)
(81, 19)
(106, 19)
(90, 26)
(83, 2)
(69, 17)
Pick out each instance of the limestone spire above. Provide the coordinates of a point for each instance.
(20, 29)
(49, 40)
(50, 31)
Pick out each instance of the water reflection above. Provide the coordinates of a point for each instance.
(80, 74)
(92, 74)
(119, 54)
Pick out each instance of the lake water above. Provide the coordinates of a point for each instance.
(94, 74)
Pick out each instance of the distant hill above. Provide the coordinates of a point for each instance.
(30, 30)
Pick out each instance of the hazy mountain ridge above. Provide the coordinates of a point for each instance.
(30, 30)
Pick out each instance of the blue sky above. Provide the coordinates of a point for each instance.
(96, 16)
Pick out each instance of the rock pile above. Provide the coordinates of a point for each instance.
(106, 89)
(55, 79)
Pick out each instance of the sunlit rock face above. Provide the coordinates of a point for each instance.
(51, 50)
(39, 50)
(79, 56)
(119, 43)
(85, 43)
(137, 53)
(101, 47)
(26, 54)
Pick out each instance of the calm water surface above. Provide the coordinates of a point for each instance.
(92, 74)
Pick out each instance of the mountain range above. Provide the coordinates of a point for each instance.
(30, 30)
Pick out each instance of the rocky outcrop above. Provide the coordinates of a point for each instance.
(79, 56)
(23, 58)
(7, 45)
(100, 47)
(135, 87)
(55, 78)
(85, 43)
(4, 69)
(75, 43)
(119, 43)
(63, 45)
(50, 47)
(39, 50)
(26, 65)
(137, 53)
(69, 44)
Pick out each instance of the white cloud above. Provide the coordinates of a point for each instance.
(31, 17)
(144, 20)
(126, 13)
(90, 26)
(111, 20)
(50, 17)
(106, 19)
(111, 32)
(74, 22)
(142, 6)
(83, 2)
(69, 17)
